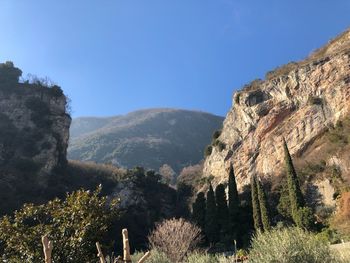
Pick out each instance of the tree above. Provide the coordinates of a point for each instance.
(295, 195)
(264, 211)
(255, 204)
(211, 225)
(73, 224)
(175, 238)
(168, 174)
(198, 210)
(222, 213)
(9, 74)
(233, 203)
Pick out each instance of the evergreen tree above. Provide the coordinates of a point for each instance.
(255, 204)
(295, 195)
(198, 210)
(233, 204)
(211, 225)
(222, 213)
(264, 211)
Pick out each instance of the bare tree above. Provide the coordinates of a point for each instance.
(167, 173)
(175, 238)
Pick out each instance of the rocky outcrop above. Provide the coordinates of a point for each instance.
(38, 127)
(298, 101)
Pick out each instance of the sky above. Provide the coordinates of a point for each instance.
(115, 56)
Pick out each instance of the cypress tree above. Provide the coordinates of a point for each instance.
(198, 210)
(264, 212)
(211, 225)
(255, 204)
(233, 203)
(222, 212)
(295, 195)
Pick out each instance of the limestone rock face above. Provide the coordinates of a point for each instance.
(34, 128)
(298, 102)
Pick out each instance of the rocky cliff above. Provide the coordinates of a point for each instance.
(300, 101)
(34, 132)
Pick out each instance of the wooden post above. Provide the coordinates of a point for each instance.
(100, 254)
(145, 256)
(126, 251)
(126, 246)
(47, 247)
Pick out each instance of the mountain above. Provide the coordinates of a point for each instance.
(148, 138)
(305, 102)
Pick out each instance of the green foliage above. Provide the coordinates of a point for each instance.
(221, 146)
(208, 150)
(222, 214)
(56, 91)
(156, 257)
(195, 257)
(315, 100)
(295, 195)
(339, 135)
(73, 224)
(255, 204)
(283, 206)
(199, 210)
(264, 210)
(289, 245)
(201, 258)
(9, 74)
(216, 134)
(305, 217)
(329, 235)
(211, 226)
(233, 203)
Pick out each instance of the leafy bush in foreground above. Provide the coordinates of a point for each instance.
(73, 225)
(290, 245)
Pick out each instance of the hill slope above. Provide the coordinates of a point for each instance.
(148, 138)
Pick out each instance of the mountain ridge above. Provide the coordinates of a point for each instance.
(147, 132)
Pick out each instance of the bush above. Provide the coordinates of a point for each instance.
(216, 134)
(315, 100)
(221, 146)
(195, 257)
(208, 150)
(289, 245)
(176, 238)
(73, 225)
(156, 257)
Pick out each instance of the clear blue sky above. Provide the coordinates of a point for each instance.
(112, 57)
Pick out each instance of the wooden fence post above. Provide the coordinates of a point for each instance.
(47, 247)
(100, 254)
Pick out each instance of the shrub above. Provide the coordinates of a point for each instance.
(221, 146)
(9, 74)
(156, 257)
(216, 134)
(56, 91)
(176, 238)
(315, 100)
(73, 224)
(289, 245)
(208, 150)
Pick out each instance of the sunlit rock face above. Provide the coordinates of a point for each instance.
(297, 101)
